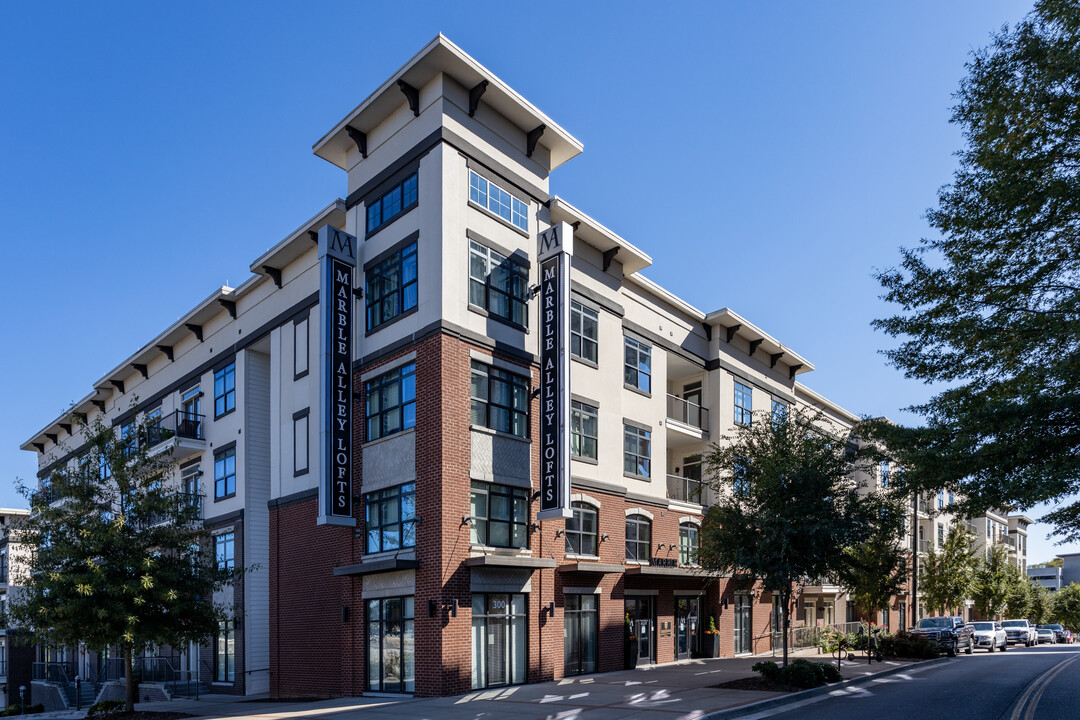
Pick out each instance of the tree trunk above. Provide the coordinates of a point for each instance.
(129, 676)
(784, 621)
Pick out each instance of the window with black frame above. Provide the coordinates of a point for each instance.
(498, 284)
(689, 543)
(225, 390)
(500, 515)
(390, 641)
(581, 530)
(584, 429)
(396, 201)
(390, 520)
(391, 402)
(638, 538)
(584, 331)
(500, 400)
(637, 444)
(637, 365)
(391, 287)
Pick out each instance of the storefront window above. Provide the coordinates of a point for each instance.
(499, 642)
(390, 645)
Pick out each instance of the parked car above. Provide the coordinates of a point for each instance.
(1068, 636)
(1046, 635)
(1021, 631)
(1058, 630)
(990, 636)
(950, 633)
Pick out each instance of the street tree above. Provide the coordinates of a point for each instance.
(993, 581)
(877, 565)
(946, 574)
(1041, 605)
(990, 305)
(1065, 608)
(117, 553)
(786, 505)
(1018, 602)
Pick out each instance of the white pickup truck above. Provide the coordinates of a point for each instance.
(1020, 631)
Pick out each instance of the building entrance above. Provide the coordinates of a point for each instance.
(499, 643)
(687, 627)
(642, 613)
(742, 623)
(580, 634)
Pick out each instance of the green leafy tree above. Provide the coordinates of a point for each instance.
(786, 504)
(877, 565)
(1056, 562)
(946, 575)
(993, 582)
(1041, 604)
(1065, 608)
(1018, 601)
(991, 304)
(117, 552)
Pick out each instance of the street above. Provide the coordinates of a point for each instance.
(1036, 683)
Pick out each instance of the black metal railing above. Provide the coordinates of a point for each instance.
(183, 502)
(687, 413)
(176, 424)
(685, 489)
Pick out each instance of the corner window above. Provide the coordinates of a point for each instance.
(225, 474)
(584, 426)
(397, 200)
(391, 287)
(224, 544)
(391, 402)
(391, 518)
(497, 201)
(689, 543)
(300, 349)
(225, 390)
(581, 533)
(638, 538)
(744, 404)
(498, 284)
(500, 515)
(584, 331)
(500, 400)
(638, 365)
(636, 450)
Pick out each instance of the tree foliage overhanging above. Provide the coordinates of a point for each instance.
(991, 305)
(947, 575)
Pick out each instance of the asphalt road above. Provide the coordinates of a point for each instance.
(1039, 683)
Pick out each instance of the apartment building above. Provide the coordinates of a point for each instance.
(367, 419)
(14, 660)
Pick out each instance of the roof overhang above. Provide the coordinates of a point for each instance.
(299, 241)
(593, 233)
(442, 56)
(727, 319)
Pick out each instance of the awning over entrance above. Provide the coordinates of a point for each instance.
(593, 567)
(509, 561)
(381, 565)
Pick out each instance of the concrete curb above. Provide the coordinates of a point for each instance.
(792, 698)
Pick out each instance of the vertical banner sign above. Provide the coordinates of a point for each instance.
(337, 260)
(555, 249)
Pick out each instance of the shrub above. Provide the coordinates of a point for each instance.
(831, 673)
(16, 709)
(904, 644)
(800, 673)
(768, 669)
(104, 709)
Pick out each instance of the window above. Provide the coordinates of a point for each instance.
(584, 331)
(300, 443)
(224, 544)
(104, 471)
(636, 451)
(884, 473)
(740, 480)
(580, 630)
(940, 499)
(225, 474)
(500, 515)
(225, 390)
(300, 349)
(581, 530)
(500, 400)
(225, 654)
(779, 412)
(391, 518)
(638, 538)
(744, 404)
(583, 430)
(391, 402)
(397, 200)
(391, 287)
(127, 437)
(940, 535)
(390, 645)
(638, 365)
(499, 639)
(498, 284)
(190, 422)
(689, 543)
(952, 498)
(189, 481)
(494, 199)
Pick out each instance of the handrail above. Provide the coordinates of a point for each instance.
(685, 489)
(687, 413)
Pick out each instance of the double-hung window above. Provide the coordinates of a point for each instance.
(779, 412)
(225, 474)
(636, 451)
(391, 287)
(395, 201)
(497, 201)
(498, 284)
(391, 518)
(638, 365)
(689, 543)
(224, 550)
(500, 515)
(584, 427)
(581, 533)
(638, 538)
(391, 402)
(225, 390)
(885, 473)
(744, 404)
(584, 331)
(500, 400)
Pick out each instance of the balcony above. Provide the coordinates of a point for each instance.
(925, 546)
(821, 586)
(683, 489)
(184, 501)
(184, 432)
(689, 422)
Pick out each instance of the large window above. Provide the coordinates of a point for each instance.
(224, 550)
(638, 538)
(391, 518)
(225, 474)
(636, 450)
(500, 400)
(494, 199)
(395, 201)
(225, 654)
(498, 284)
(500, 515)
(581, 533)
(580, 630)
(391, 658)
(391, 287)
(499, 640)
(584, 425)
(638, 365)
(689, 543)
(584, 324)
(744, 404)
(391, 402)
(225, 390)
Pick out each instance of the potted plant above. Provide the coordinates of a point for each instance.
(712, 639)
(631, 656)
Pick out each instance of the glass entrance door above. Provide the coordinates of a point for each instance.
(742, 624)
(499, 644)
(580, 634)
(687, 624)
(642, 619)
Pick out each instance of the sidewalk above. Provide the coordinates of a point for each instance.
(673, 692)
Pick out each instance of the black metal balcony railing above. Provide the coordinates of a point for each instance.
(176, 424)
(684, 489)
(687, 413)
(183, 502)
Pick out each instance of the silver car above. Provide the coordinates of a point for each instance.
(1046, 635)
(990, 636)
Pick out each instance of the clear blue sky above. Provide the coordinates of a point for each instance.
(767, 156)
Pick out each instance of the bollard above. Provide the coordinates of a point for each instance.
(78, 693)
(22, 699)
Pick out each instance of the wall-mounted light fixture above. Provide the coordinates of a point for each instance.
(466, 519)
(604, 537)
(560, 532)
(536, 495)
